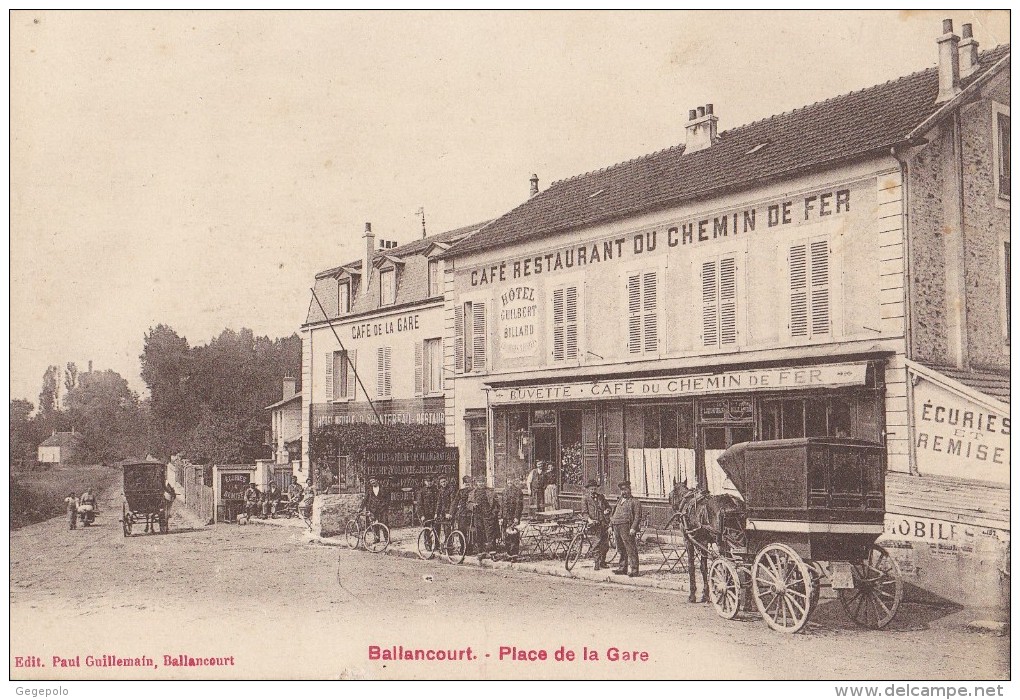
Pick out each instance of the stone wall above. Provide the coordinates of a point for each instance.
(330, 512)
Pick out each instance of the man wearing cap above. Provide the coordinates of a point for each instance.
(625, 521)
(425, 500)
(444, 507)
(458, 509)
(511, 509)
(596, 513)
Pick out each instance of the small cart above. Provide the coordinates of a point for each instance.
(815, 507)
(144, 498)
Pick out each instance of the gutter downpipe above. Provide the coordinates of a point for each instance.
(907, 310)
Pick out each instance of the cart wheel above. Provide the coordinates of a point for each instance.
(614, 548)
(725, 589)
(578, 548)
(352, 534)
(817, 574)
(377, 538)
(426, 543)
(126, 520)
(456, 547)
(781, 583)
(877, 591)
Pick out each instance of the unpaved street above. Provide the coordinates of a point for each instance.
(272, 601)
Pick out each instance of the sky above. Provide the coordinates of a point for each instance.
(198, 168)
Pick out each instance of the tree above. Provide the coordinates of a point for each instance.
(106, 411)
(48, 395)
(166, 369)
(24, 431)
(70, 377)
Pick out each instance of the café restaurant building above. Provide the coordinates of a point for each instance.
(786, 278)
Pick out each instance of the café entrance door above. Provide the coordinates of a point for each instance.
(721, 423)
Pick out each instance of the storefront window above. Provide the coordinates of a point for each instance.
(571, 464)
(819, 416)
(660, 447)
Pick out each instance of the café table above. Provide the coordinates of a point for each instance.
(548, 533)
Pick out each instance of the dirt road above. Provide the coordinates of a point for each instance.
(271, 602)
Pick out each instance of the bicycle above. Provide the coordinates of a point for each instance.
(455, 546)
(582, 546)
(428, 539)
(364, 529)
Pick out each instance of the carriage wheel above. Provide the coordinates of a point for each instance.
(377, 538)
(456, 547)
(877, 591)
(725, 589)
(579, 547)
(426, 543)
(352, 533)
(126, 520)
(782, 587)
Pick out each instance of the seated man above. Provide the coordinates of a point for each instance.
(252, 500)
(270, 500)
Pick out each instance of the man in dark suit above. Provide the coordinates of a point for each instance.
(595, 509)
(445, 496)
(425, 500)
(511, 509)
(626, 521)
(377, 500)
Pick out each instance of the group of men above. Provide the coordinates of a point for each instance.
(265, 504)
(490, 521)
(83, 507)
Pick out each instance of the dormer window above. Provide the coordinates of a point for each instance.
(344, 297)
(434, 277)
(387, 287)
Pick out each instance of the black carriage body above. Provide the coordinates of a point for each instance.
(825, 497)
(143, 487)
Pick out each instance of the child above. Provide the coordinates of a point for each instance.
(72, 509)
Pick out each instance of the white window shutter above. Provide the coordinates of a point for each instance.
(634, 313)
(380, 369)
(709, 305)
(480, 335)
(329, 376)
(570, 323)
(352, 375)
(458, 334)
(650, 308)
(419, 367)
(388, 371)
(798, 291)
(727, 301)
(820, 317)
(558, 319)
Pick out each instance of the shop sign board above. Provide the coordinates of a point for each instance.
(233, 486)
(954, 436)
(737, 381)
(402, 471)
(518, 322)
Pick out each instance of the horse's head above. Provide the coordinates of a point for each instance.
(679, 494)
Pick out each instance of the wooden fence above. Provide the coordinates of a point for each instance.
(194, 484)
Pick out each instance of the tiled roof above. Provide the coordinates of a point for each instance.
(990, 383)
(284, 402)
(856, 125)
(62, 440)
(412, 248)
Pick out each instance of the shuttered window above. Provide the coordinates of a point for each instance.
(428, 366)
(433, 270)
(341, 380)
(470, 326)
(344, 299)
(1002, 147)
(387, 287)
(810, 289)
(384, 375)
(643, 312)
(719, 302)
(565, 323)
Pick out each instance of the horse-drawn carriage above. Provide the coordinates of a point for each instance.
(145, 498)
(811, 511)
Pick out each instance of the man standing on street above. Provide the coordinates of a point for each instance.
(596, 513)
(72, 509)
(511, 510)
(377, 500)
(626, 519)
(425, 503)
(444, 506)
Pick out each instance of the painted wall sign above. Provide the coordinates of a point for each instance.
(518, 316)
(846, 374)
(400, 324)
(953, 436)
(403, 471)
(233, 486)
(394, 412)
(768, 216)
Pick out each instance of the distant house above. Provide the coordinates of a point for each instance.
(61, 448)
(286, 433)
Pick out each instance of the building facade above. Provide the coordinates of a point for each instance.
(840, 270)
(373, 351)
(61, 448)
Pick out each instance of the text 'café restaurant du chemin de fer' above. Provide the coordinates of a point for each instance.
(788, 278)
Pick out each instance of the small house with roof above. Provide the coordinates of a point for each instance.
(61, 448)
(838, 270)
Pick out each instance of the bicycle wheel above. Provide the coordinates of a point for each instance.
(579, 547)
(614, 548)
(377, 538)
(456, 547)
(426, 543)
(352, 534)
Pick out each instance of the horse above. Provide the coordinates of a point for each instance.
(703, 517)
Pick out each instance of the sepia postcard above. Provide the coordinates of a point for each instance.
(511, 345)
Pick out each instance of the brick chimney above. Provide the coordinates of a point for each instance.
(534, 185)
(968, 52)
(366, 264)
(289, 387)
(702, 129)
(949, 63)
